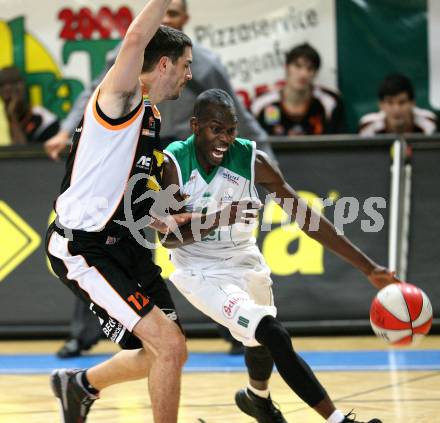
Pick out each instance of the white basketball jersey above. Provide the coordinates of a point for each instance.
(233, 180)
(105, 154)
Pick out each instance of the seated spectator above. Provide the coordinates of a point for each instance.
(26, 124)
(301, 107)
(398, 111)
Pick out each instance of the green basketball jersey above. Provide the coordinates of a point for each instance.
(233, 180)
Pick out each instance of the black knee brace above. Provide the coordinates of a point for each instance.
(292, 368)
(259, 362)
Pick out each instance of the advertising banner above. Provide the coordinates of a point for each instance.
(61, 45)
(30, 295)
(252, 38)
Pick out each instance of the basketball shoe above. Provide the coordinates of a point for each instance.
(261, 409)
(350, 418)
(74, 399)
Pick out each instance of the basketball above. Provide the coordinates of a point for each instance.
(401, 314)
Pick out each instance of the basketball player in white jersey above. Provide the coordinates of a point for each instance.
(221, 271)
(116, 149)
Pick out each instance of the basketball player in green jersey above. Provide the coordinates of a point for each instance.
(221, 271)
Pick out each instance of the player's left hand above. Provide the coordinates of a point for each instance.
(170, 222)
(182, 218)
(55, 145)
(380, 277)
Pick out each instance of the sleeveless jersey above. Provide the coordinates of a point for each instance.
(233, 180)
(105, 155)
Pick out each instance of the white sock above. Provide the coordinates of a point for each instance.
(258, 392)
(336, 417)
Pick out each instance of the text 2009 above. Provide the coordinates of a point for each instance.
(86, 24)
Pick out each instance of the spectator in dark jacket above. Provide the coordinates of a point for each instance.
(301, 107)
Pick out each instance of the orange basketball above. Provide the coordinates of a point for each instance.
(401, 314)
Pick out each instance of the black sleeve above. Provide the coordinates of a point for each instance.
(49, 132)
(338, 124)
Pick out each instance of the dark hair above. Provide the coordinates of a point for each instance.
(305, 51)
(10, 74)
(184, 5)
(213, 97)
(395, 84)
(168, 42)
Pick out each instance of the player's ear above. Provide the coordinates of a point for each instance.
(194, 125)
(163, 63)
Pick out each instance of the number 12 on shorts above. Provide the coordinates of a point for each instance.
(138, 300)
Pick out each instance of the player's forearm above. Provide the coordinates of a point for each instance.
(191, 232)
(145, 24)
(124, 76)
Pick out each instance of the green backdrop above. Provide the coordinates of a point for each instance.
(377, 37)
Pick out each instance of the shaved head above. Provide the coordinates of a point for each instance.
(210, 101)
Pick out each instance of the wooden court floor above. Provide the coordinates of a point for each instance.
(395, 397)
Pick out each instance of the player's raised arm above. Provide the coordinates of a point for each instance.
(270, 177)
(121, 84)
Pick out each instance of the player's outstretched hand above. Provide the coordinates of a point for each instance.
(380, 277)
(170, 222)
(56, 145)
(182, 218)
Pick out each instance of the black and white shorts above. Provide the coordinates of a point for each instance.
(115, 276)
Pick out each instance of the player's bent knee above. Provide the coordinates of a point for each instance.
(168, 348)
(171, 344)
(158, 333)
(174, 350)
(270, 332)
(244, 318)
